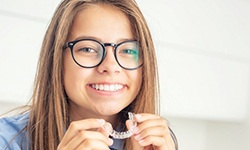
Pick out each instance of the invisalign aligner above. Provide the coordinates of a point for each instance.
(123, 135)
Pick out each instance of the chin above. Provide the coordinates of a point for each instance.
(109, 111)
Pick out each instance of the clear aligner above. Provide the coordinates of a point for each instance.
(126, 134)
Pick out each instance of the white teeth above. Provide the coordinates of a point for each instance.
(100, 87)
(107, 87)
(112, 87)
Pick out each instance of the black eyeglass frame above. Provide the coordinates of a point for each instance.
(104, 45)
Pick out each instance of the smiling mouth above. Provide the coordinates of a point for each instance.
(107, 87)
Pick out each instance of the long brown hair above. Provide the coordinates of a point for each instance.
(49, 116)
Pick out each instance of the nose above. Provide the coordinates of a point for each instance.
(109, 64)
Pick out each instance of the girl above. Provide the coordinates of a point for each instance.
(97, 61)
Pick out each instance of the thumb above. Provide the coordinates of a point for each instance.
(135, 144)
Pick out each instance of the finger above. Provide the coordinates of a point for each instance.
(136, 145)
(91, 144)
(106, 129)
(144, 116)
(152, 130)
(77, 126)
(154, 133)
(84, 136)
(152, 123)
(160, 131)
(131, 126)
(159, 142)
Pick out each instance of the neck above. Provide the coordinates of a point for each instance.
(81, 114)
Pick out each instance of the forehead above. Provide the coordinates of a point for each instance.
(102, 21)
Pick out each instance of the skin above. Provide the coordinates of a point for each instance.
(152, 133)
(90, 109)
(108, 26)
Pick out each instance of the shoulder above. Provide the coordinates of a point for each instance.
(18, 119)
(15, 123)
(12, 130)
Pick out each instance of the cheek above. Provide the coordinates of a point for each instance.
(137, 79)
(75, 77)
(68, 73)
(139, 76)
(68, 67)
(72, 73)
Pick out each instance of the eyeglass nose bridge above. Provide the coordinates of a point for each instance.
(105, 51)
(110, 44)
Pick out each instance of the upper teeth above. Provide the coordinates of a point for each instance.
(107, 87)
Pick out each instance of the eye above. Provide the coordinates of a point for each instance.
(129, 51)
(87, 50)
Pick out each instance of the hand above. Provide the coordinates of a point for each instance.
(152, 133)
(86, 135)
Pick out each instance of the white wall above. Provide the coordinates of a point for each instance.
(203, 50)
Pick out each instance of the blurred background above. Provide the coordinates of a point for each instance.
(203, 50)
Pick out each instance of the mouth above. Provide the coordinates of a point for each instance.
(107, 87)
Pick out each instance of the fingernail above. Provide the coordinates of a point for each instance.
(136, 129)
(111, 141)
(138, 116)
(137, 137)
(101, 121)
(107, 126)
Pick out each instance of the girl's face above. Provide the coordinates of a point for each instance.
(107, 25)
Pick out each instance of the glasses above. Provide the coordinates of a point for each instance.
(89, 53)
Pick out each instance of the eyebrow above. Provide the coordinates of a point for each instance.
(98, 39)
